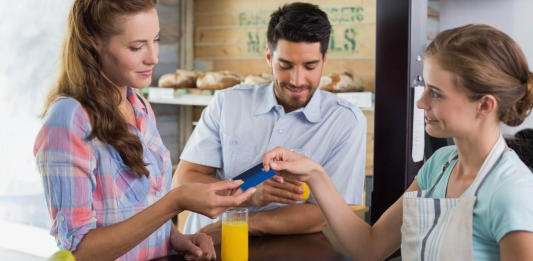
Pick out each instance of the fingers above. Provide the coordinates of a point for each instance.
(283, 193)
(206, 244)
(240, 198)
(194, 252)
(278, 153)
(273, 194)
(291, 186)
(226, 185)
(292, 167)
(293, 181)
(291, 176)
(235, 192)
(277, 179)
(201, 248)
(235, 200)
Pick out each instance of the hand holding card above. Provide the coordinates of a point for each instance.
(254, 176)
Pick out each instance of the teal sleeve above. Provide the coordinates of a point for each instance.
(511, 207)
(426, 175)
(421, 177)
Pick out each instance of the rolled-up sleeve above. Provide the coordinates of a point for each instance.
(66, 162)
(204, 146)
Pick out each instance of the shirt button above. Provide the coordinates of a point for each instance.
(280, 130)
(159, 233)
(61, 218)
(158, 194)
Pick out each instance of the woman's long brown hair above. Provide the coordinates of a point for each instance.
(80, 73)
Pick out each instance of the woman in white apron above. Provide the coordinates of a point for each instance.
(471, 201)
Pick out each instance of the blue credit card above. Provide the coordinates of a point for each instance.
(254, 176)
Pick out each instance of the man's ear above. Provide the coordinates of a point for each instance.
(268, 56)
(325, 56)
(488, 104)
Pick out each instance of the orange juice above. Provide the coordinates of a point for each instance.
(234, 241)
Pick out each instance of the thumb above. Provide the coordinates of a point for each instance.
(191, 248)
(226, 184)
(239, 199)
(281, 165)
(194, 250)
(278, 179)
(288, 169)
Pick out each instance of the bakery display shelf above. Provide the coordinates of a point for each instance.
(182, 96)
(197, 97)
(186, 99)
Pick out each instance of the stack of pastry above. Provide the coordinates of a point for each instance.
(179, 79)
(343, 82)
(218, 80)
(258, 79)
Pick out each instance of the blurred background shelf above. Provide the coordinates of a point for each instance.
(186, 99)
(196, 97)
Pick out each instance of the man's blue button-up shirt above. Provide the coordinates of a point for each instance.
(242, 123)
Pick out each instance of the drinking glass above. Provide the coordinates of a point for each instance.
(235, 235)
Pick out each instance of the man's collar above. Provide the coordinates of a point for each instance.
(269, 100)
(313, 107)
(311, 110)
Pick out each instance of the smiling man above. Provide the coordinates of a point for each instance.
(244, 122)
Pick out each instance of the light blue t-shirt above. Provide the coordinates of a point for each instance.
(504, 201)
(242, 123)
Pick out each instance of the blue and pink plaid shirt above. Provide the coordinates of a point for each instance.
(86, 183)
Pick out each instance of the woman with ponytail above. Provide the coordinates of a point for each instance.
(106, 173)
(470, 201)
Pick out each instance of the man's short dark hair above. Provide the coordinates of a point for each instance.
(299, 22)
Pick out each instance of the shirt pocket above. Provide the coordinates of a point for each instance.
(129, 189)
(237, 155)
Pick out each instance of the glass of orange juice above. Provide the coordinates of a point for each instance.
(307, 191)
(235, 235)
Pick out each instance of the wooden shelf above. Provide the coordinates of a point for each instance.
(183, 97)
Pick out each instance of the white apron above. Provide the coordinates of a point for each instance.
(441, 228)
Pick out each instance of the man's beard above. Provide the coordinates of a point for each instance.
(294, 102)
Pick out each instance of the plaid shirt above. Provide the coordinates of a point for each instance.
(86, 183)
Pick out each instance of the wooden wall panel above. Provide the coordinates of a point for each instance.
(231, 35)
(226, 6)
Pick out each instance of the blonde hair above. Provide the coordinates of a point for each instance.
(80, 73)
(487, 61)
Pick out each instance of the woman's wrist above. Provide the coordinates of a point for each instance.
(174, 198)
(316, 173)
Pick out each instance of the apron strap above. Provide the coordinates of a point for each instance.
(489, 164)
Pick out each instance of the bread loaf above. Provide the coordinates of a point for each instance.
(179, 79)
(167, 80)
(218, 80)
(258, 79)
(344, 82)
